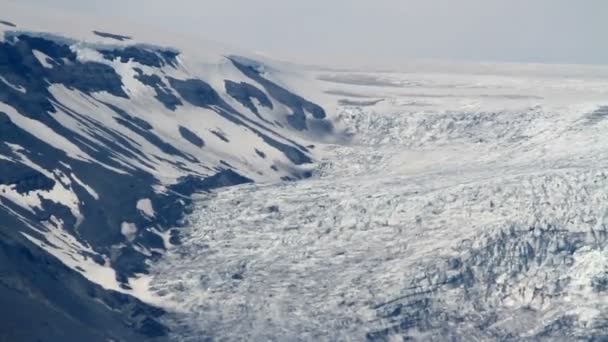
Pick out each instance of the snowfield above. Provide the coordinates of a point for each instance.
(469, 205)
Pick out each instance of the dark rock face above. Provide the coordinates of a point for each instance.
(129, 120)
(146, 56)
(197, 92)
(7, 23)
(112, 36)
(163, 93)
(220, 136)
(598, 115)
(298, 105)
(243, 92)
(260, 153)
(191, 137)
(23, 177)
(189, 185)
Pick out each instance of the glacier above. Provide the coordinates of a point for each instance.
(469, 206)
(158, 187)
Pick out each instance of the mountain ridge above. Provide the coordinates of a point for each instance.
(102, 146)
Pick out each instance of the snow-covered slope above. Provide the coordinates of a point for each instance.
(469, 206)
(105, 135)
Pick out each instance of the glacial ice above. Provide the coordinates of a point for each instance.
(476, 216)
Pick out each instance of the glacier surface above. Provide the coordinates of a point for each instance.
(470, 205)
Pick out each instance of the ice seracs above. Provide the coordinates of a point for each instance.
(475, 216)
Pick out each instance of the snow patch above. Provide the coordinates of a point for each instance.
(43, 59)
(90, 190)
(145, 207)
(128, 230)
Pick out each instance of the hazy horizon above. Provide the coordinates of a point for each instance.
(381, 32)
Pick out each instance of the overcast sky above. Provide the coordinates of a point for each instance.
(382, 31)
